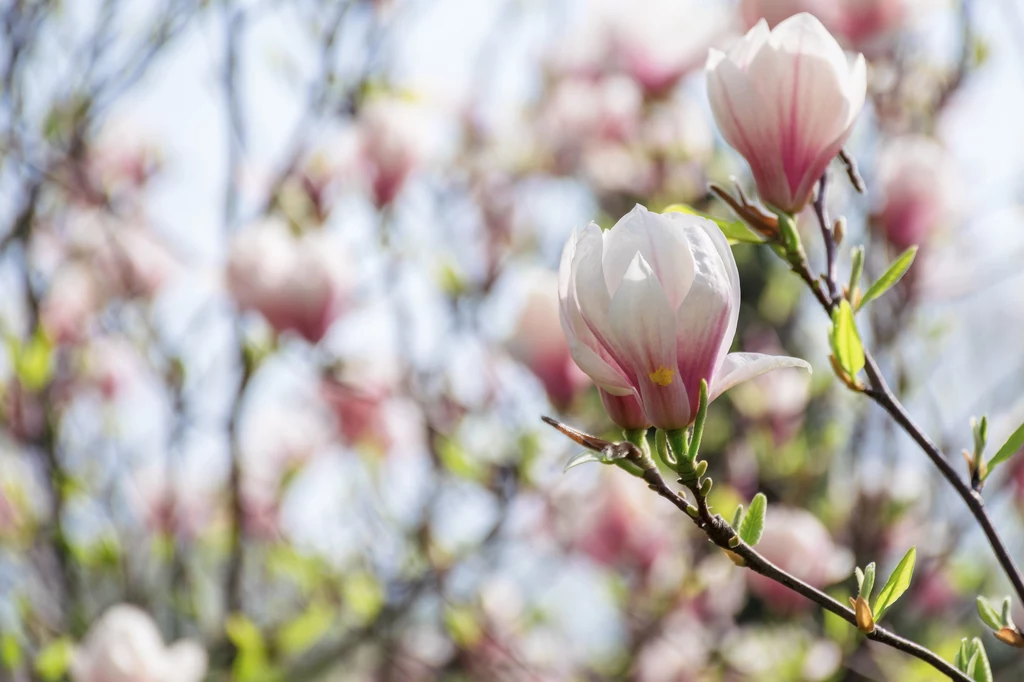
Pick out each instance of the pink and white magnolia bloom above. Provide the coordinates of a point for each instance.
(786, 100)
(292, 281)
(650, 308)
(124, 645)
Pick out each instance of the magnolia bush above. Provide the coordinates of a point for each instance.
(313, 311)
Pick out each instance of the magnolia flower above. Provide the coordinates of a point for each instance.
(859, 22)
(919, 187)
(787, 101)
(124, 645)
(538, 343)
(650, 307)
(650, 47)
(797, 542)
(292, 281)
(777, 11)
(392, 143)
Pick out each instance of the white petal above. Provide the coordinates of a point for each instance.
(805, 76)
(662, 245)
(643, 328)
(584, 347)
(186, 662)
(750, 126)
(740, 367)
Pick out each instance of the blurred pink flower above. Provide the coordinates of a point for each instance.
(111, 364)
(797, 542)
(70, 303)
(174, 506)
(393, 140)
(919, 189)
(360, 411)
(786, 101)
(124, 645)
(295, 282)
(537, 341)
(627, 528)
(648, 44)
(858, 22)
(583, 112)
(776, 11)
(127, 258)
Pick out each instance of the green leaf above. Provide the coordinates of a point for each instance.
(698, 424)
(363, 596)
(982, 670)
(988, 614)
(869, 582)
(896, 585)
(845, 340)
(582, 458)
(753, 523)
(53, 661)
(251, 661)
(1012, 445)
(456, 460)
(307, 629)
(890, 277)
(736, 231)
(462, 626)
(856, 268)
(737, 518)
(10, 651)
(1005, 614)
(960, 660)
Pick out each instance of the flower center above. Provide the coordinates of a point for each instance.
(662, 376)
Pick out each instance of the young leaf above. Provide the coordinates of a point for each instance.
(1010, 448)
(960, 660)
(982, 671)
(988, 614)
(737, 518)
(1005, 614)
(846, 345)
(869, 581)
(896, 585)
(753, 523)
(890, 277)
(860, 580)
(736, 231)
(582, 458)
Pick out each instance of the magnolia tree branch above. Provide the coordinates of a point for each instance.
(882, 395)
(718, 530)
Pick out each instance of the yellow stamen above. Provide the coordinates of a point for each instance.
(662, 376)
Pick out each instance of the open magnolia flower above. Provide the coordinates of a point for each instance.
(649, 308)
(124, 645)
(787, 101)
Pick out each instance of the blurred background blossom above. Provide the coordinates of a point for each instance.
(280, 317)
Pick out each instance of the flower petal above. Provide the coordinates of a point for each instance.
(654, 236)
(733, 96)
(643, 332)
(584, 347)
(186, 662)
(740, 367)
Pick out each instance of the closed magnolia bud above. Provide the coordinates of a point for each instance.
(786, 100)
(649, 309)
(124, 645)
(290, 280)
